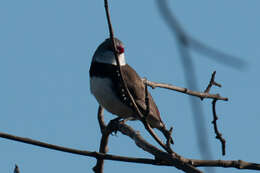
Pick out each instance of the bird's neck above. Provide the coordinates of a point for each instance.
(108, 57)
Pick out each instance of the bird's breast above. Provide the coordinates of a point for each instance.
(102, 88)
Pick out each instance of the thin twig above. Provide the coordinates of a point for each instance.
(218, 134)
(139, 114)
(212, 82)
(185, 90)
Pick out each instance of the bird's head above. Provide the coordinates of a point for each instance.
(105, 52)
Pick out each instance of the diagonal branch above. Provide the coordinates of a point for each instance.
(169, 140)
(195, 44)
(172, 158)
(139, 114)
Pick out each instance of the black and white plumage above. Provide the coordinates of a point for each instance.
(105, 85)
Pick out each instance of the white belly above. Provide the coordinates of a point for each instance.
(101, 89)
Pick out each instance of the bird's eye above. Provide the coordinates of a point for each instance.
(120, 49)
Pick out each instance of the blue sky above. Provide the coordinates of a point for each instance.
(45, 53)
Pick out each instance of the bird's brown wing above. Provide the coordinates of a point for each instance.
(137, 89)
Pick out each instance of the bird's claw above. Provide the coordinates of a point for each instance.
(114, 126)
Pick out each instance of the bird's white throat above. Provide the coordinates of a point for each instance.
(108, 57)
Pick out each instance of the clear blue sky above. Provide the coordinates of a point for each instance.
(45, 53)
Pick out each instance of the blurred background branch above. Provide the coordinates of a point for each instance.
(185, 43)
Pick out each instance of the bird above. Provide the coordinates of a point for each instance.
(109, 91)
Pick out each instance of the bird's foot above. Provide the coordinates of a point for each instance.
(113, 126)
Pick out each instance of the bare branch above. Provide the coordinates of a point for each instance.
(212, 82)
(240, 164)
(195, 44)
(121, 76)
(103, 148)
(172, 158)
(218, 134)
(185, 90)
(94, 154)
(168, 137)
(189, 74)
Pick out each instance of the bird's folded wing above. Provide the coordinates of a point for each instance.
(137, 89)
